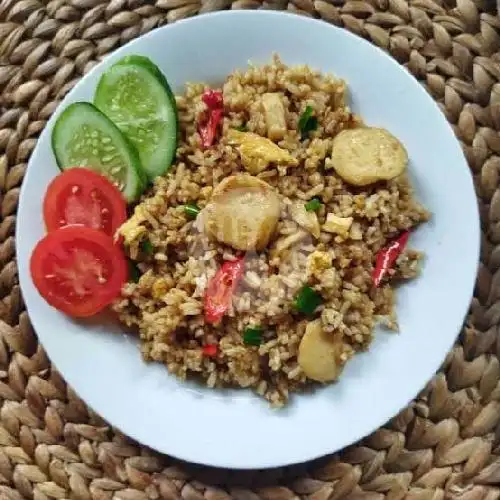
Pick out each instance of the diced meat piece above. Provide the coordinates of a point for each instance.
(286, 242)
(274, 113)
(305, 219)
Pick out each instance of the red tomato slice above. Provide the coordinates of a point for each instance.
(78, 270)
(220, 289)
(81, 197)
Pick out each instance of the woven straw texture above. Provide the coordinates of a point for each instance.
(444, 445)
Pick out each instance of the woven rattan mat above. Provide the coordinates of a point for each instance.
(444, 445)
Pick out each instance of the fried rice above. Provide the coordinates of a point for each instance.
(177, 259)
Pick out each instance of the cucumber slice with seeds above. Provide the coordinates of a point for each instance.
(136, 96)
(85, 137)
(148, 64)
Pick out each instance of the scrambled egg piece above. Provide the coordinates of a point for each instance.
(363, 156)
(159, 289)
(317, 262)
(258, 152)
(305, 219)
(131, 230)
(337, 225)
(274, 113)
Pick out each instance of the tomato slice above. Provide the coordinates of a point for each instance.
(78, 270)
(81, 197)
(220, 289)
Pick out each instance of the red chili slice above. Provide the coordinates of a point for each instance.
(210, 350)
(212, 98)
(208, 132)
(219, 293)
(209, 124)
(387, 257)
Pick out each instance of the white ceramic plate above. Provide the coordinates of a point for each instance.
(235, 428)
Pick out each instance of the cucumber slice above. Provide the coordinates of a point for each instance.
(136, 96)
(85, 137)
(148, 64)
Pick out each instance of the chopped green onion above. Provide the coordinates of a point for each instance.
(252, 335)
(307, 300)
(147, 247)
(134, 273)
(241, 128)
(304, 117)
(313, 205)
(307, 122)
(191, 210)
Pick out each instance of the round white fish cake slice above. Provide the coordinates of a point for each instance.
(318, 354)
(242, 213)
(362, 156)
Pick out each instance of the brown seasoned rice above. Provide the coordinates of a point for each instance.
(166, 304)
